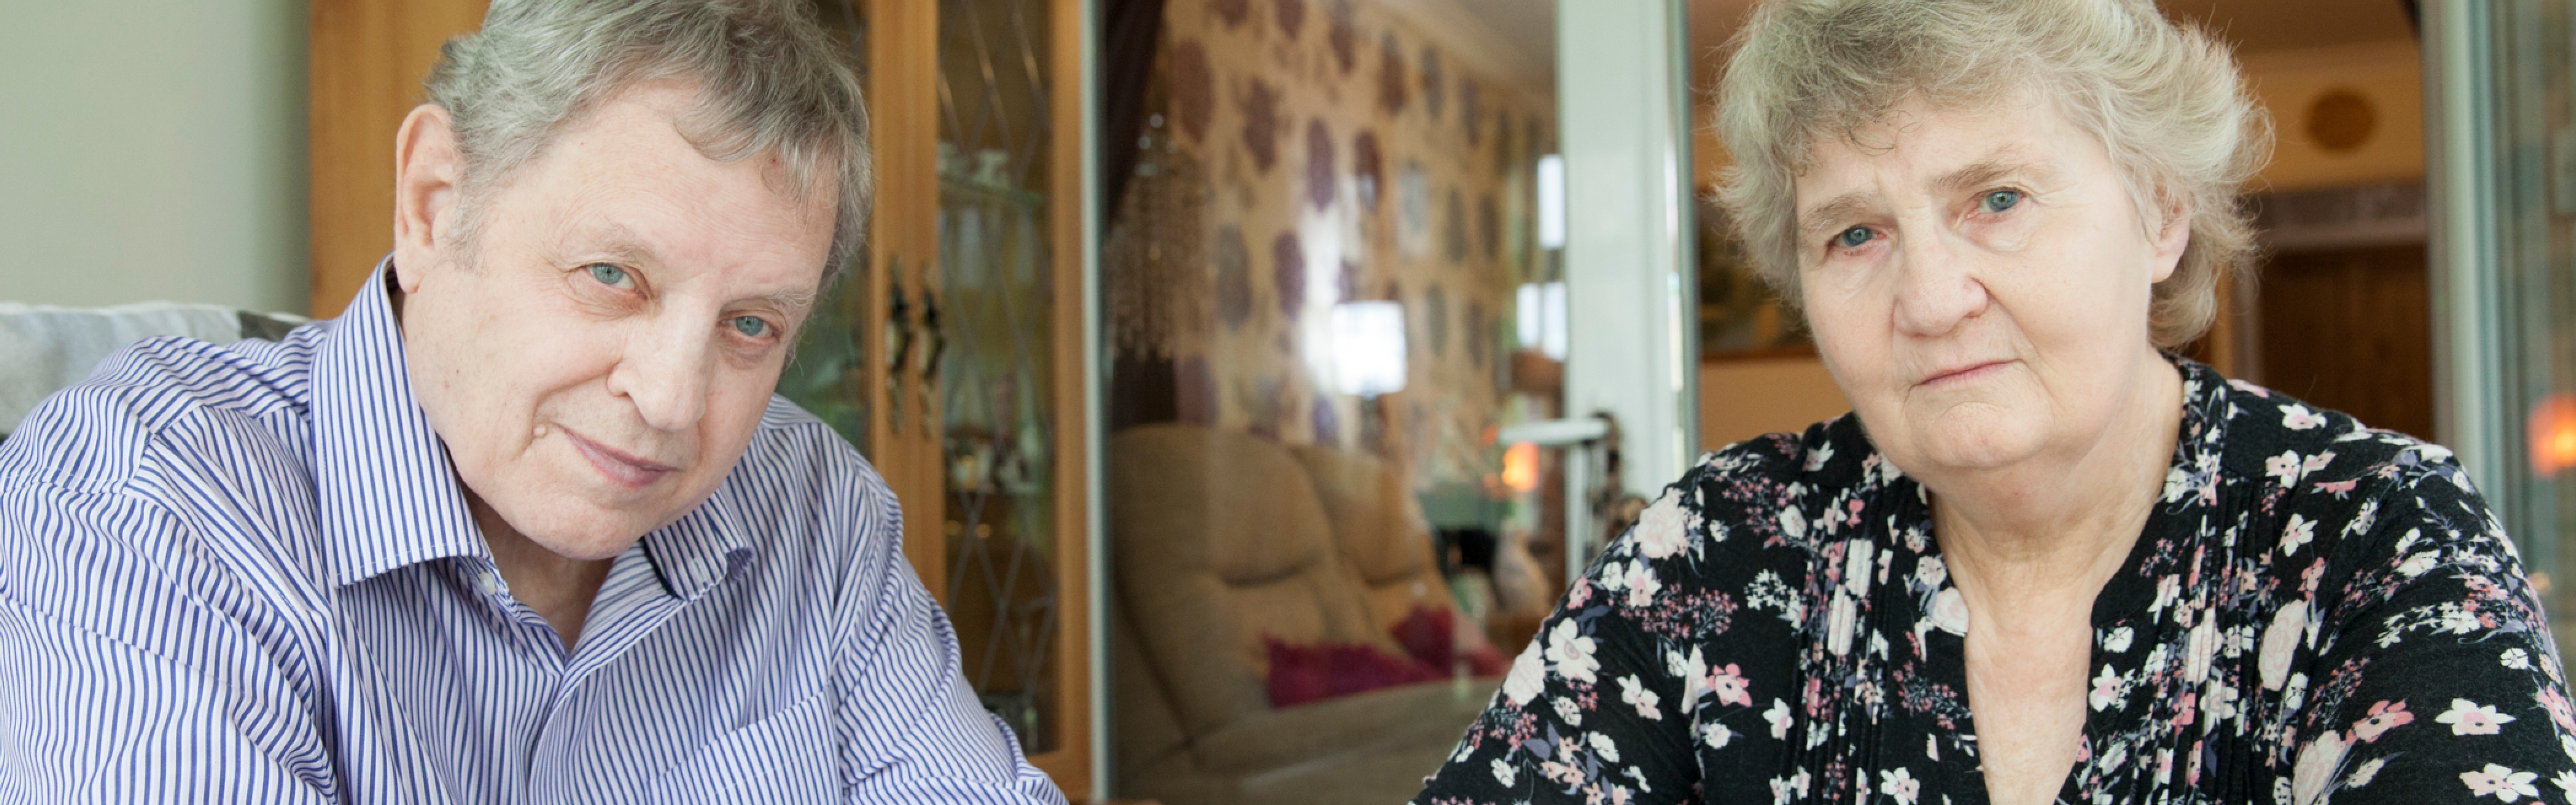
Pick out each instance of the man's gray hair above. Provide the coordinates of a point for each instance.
(2164, 99)
(770, 81)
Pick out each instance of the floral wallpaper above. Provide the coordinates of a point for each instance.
(1308, 154)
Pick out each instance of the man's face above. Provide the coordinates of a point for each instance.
(601, 358)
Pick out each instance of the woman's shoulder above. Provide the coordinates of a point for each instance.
(1757, 494)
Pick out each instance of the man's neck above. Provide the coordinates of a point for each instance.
(559, 588)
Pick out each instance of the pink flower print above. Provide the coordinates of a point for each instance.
(2297, 417)
(2556, 703)
(2383, 716)
(2316, 462)
(2107, 688)
(2471, 718)
(1729, 685)
(1580, 595)
(2338, 488)
(2501, 783)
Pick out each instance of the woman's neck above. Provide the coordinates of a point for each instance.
(2062, 522)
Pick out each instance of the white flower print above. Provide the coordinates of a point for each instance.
(1901, 785)
(2471, 718)
(1569, 712)
(1635, 694)
(2316, 767)
(1716, 735)
(1930, 572)
(1571, 653)
(2368, 772)
(1641, 584)
(2117, 642)
(2297, 417)
(1664, 528)
(2566, 781)
(1778, 715)
(2316, 463)
(2514, 658)
(1793, 524)
(2284, 466)
(2500, 782)
(1950, 611)
(2203, 646)
(1504, 773)
(1816, 458)
(2298, 534)
(2108, 687)
(1692, 671)
(1839, 620)
(1527, 676)
(2281, 642)
(1602, 745)
(2416, 565)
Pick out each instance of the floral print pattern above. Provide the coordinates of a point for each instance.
(2315, 612)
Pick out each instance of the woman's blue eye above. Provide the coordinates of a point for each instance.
(753, 326)
(608, 275)
(2001, 200)
(1853, 238)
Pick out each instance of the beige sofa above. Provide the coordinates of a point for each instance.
(1219, 539)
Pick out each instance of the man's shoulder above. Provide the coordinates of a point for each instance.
(167, 392)
(799, 477)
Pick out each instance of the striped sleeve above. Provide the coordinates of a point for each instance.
(910, 729)
(160, 692)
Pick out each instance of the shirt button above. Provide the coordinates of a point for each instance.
(490, 582)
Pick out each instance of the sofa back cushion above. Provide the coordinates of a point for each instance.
(1218, 542)
(1379, 528)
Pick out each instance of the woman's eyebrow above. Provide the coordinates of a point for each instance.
(1994, 168)
(1825, 216)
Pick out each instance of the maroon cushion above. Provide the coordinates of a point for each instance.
(1428, 634)
(1301, 674)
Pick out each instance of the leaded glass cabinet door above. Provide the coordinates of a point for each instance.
(1005, 299)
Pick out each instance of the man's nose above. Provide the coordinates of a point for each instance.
(1936, 286)
(665, 371)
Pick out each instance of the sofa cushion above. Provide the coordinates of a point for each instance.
(1381, 531)
(1217, 541)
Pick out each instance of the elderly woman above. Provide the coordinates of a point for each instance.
(2045, 559)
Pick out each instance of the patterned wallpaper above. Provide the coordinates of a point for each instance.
(1312, 153)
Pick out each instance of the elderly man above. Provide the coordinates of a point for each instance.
(526, 524)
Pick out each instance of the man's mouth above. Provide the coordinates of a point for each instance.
(627, 470)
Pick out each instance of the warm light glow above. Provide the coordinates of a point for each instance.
(1520, 467)
(2553, 434)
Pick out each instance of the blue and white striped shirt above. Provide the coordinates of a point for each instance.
(247, 574)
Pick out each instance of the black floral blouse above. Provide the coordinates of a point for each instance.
(2316, 611)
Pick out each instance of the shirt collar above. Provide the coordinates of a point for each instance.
(389, 496)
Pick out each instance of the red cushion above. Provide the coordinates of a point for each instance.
(1428, 634)
(1301, 674)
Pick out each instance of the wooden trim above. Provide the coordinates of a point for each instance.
(365, 62)
(903, 112)
(1068, 243)
(1770, 354)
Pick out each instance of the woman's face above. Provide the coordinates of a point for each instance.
(1978, 283)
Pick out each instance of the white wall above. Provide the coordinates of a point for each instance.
(153, 150)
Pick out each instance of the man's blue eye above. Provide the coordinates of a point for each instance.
(608, 275)
(752, 326)
(1853, 238)
(2001, 200)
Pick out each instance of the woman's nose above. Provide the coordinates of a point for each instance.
(1937, 287)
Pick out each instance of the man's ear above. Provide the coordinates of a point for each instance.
(427, 167)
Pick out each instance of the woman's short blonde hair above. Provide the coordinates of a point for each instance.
(2164, 99)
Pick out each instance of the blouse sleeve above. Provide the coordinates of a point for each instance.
(1630, 675)
(2435, 678)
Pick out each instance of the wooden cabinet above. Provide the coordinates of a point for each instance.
(956, 358)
